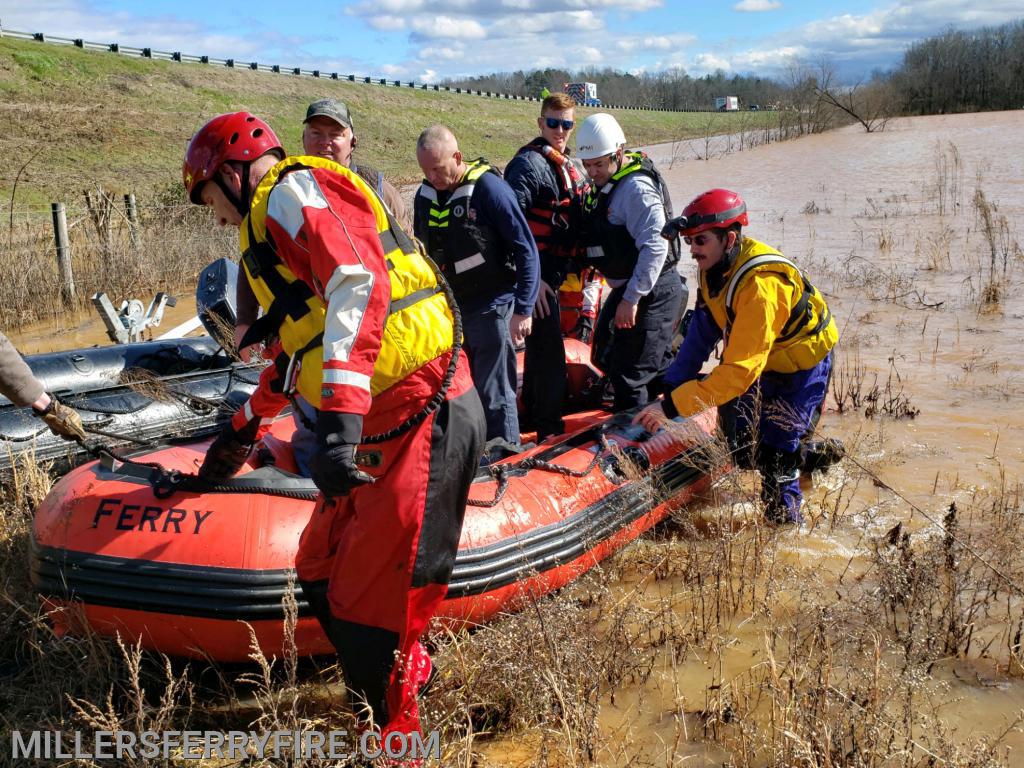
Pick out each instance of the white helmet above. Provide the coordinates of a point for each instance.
(599, 135)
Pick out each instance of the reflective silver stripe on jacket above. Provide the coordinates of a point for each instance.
(469, 262)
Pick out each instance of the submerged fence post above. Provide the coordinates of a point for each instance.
(133, 219)
(60, 236)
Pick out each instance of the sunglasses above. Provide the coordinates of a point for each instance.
(554, 122)
(698, 239)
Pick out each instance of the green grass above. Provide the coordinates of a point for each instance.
(103, 120)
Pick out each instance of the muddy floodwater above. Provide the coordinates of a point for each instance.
(926, 288)
(885, 224)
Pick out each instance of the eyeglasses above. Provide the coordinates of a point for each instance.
(554, 122)
(698, 239)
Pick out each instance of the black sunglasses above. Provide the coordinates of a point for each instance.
(554, 122)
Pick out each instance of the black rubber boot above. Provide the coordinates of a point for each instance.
(315, 593)
(821, 454)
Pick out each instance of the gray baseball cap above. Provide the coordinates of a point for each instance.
(332, 108)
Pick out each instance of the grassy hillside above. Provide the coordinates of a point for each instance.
(100, 119)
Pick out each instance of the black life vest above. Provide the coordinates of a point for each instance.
(610, 247)
(472, 256)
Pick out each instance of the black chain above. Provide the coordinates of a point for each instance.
(500, 472)
(435, 402)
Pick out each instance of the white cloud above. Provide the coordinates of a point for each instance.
(73, 19)
(386, 23)
(641, 44)
(443, 53)
(659, 43)
(449, 27)
(258, 41)
(757, 6)
(708, 62)
(773, 58)
(490, 9)
(564, 23)
(855, 44)
(377, 8)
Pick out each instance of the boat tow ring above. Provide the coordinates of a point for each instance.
(166, 482)
(622, 464)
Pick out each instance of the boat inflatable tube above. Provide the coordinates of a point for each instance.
(189, 573)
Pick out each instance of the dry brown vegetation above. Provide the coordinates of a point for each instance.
(173, 243)
(640, 663)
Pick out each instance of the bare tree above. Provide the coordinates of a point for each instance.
(871, 105)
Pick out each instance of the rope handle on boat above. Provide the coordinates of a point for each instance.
(166, 482)
(501, 472)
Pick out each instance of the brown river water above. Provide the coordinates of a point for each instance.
(886, 226)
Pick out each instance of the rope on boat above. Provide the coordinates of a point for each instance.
(501, 472)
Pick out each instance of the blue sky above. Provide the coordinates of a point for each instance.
(425, 40)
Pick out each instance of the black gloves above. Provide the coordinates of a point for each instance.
(63, 420)
(333, 467)
(229, 451)
(584, 329)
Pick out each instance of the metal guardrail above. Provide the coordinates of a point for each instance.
(190, 58)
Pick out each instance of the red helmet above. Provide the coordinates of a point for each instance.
(236, 136)
(714, 208)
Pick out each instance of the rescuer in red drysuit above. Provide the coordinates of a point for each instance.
(370, 339)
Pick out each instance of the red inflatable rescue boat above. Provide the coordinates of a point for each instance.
(188, 573)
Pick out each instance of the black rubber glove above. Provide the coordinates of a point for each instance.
(63, 420)
(333, 467)
(229, 451)
(584, 329)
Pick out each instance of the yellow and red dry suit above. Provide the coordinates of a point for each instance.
(365, 330)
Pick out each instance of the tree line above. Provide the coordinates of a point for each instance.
(960, 71)
(954, 71)
(672, 89)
